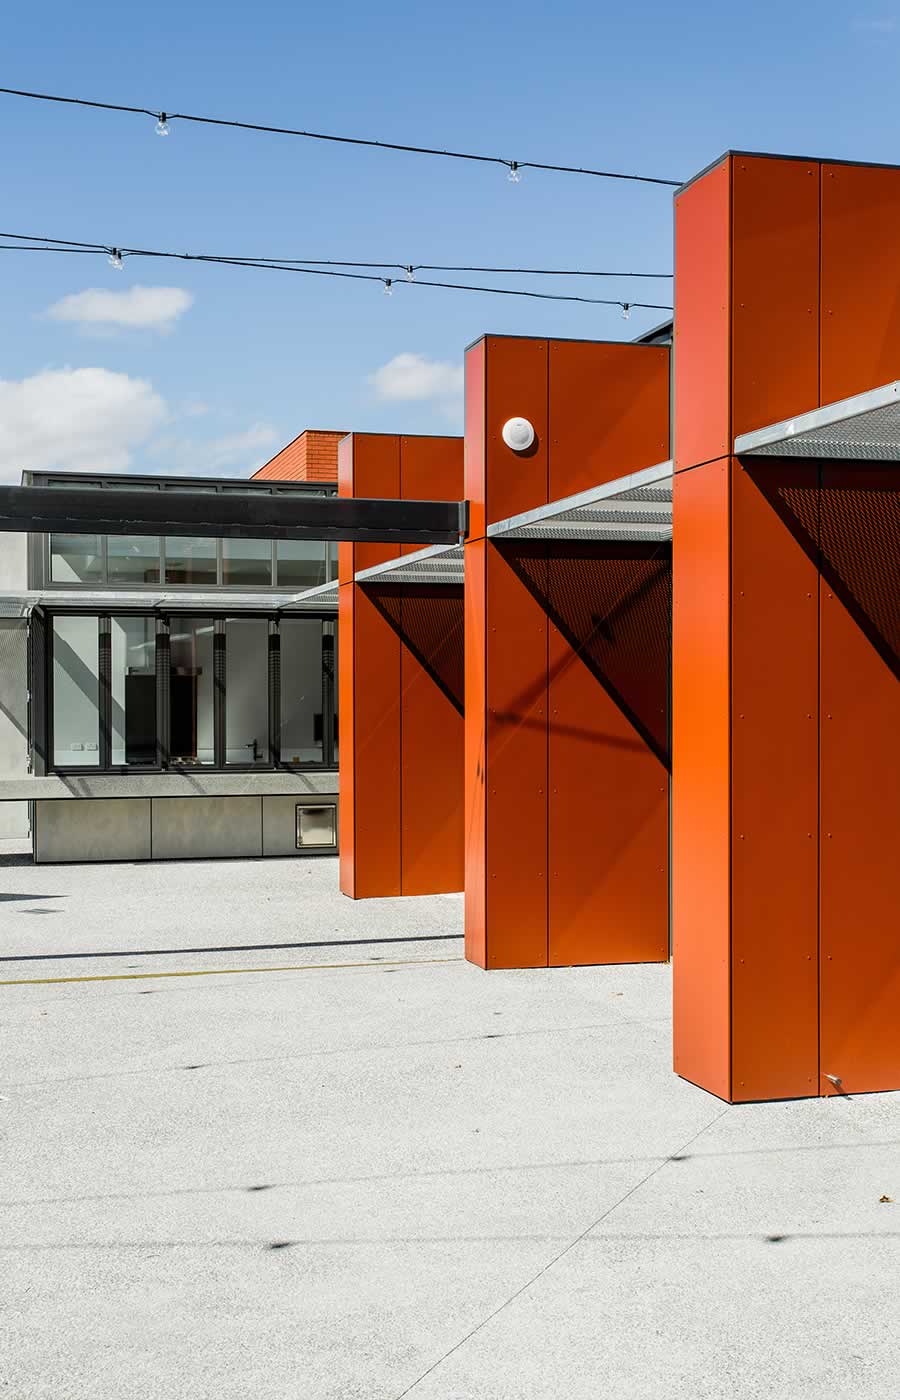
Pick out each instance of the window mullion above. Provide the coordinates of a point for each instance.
(104, 671)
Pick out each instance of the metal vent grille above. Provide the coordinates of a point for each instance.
(865, 428)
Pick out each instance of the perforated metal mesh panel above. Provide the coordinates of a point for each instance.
(617, 511)
(438, 565)
(865, 428)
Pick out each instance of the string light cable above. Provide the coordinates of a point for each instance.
(116, 256)
(162, 127)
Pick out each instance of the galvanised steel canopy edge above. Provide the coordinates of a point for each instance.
(863, 428)
(437, 564)
(80, 510)
(637, 507)
(20, 604)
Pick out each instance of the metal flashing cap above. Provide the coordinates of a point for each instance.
(518, 434)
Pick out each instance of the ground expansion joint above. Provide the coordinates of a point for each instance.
(545, 1268)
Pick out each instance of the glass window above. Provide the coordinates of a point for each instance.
(247, 562)
(76, 692)
(301, 563)
(133, 691)
(246, 690)
(190, 560)
(302, 730)
(76, 559)
(191, 717)
(132, 559)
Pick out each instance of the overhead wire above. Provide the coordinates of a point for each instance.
(117, 254)
(163, 118)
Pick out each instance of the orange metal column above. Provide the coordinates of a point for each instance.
(566, 802)
(745, 635)
(401, 754)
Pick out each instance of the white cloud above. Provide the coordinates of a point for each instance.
(142, 308)
(82, 419)
(240, 452)
(414, 377)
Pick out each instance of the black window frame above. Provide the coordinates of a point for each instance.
(42, 714)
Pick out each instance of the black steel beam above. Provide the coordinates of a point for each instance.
(80, 510)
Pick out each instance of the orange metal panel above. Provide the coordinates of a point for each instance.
(376, 750)
(516, 767)
(432, 781)
(608, 412)
(473, 452)
(701, 835)
(431, 469)
(516, 379)
(347, 748)
(376, 473)
(775, 290)
(474, 601)
(860, 279)
(774, 686)
(345, 488)
(860, 774)
(702, 318)
(608, 802)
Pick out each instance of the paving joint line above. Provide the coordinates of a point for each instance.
(563, 1252)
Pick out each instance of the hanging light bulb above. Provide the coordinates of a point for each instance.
(162, 126)
(115, 259)
(388, 287)
(514, 176)
(626, 311)
(410, 273)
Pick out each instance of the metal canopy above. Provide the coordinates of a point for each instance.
(439, 564)
(20, 604)
(632, 508)
(84, 510)
(864, 428)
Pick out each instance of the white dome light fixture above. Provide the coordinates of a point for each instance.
(518, 434)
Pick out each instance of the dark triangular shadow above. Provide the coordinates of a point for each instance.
(613, 605)
(428, 619)
(847, 519)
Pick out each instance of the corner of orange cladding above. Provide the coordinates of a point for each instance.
(860, 279)
(473, 455)
(516, 386)
(376, 474)
(608, 412)
(475, 750)
(431, 469)
(702, 342)
(775, 290)
(346, 785)
(701, 796)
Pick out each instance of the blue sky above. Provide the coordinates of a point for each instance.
(256, 356)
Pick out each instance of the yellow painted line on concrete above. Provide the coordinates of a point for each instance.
(221, 972)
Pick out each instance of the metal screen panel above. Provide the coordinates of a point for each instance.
(864, 428)
(631, 508)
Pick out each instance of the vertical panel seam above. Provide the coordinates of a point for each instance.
(819, 473)
(548, 479)
(729, 469)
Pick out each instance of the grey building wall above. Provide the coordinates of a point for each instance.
(13, 684)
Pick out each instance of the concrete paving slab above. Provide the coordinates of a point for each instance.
(389, 1173)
